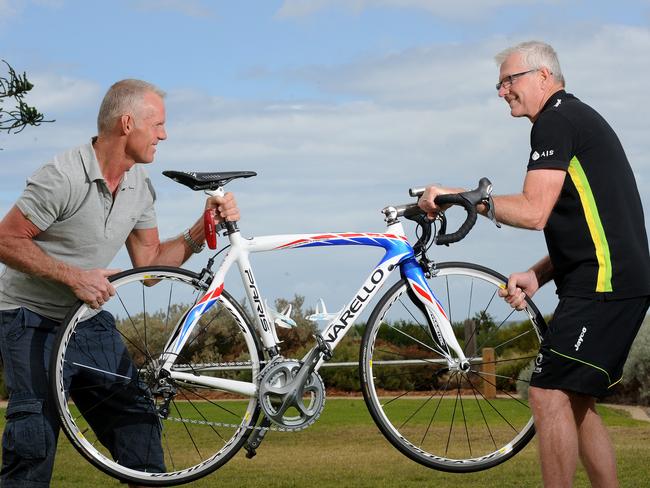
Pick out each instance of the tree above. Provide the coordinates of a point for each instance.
(17, 118)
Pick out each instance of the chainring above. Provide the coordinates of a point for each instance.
(287, 403)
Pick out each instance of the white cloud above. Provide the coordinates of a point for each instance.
(417, 116)
(459, 10)
(57, 93)
(190, 8)
(422, 115)
(8, 9)
(440, 75)
(12, 8)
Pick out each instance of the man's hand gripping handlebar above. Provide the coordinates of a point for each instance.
(469, 200)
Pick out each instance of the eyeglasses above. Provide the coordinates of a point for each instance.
(509, 80)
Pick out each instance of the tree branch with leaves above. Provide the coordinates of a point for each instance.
(17, 118)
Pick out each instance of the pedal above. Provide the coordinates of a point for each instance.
(324, 347)
(256, 438)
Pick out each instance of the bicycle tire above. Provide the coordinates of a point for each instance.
(443, 418)
(202, 427)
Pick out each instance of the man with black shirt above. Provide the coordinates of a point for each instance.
(581, 191)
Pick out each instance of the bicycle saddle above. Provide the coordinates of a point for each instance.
(206, 181)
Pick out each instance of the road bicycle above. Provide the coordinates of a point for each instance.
(443, 364)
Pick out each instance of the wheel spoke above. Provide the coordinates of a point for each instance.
(430, 348)
(487, 426)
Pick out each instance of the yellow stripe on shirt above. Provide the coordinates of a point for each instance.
(579, 178)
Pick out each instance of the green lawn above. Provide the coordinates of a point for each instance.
(344, 448)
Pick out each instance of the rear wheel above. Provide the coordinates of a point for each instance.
(128, 422)
(442, 417)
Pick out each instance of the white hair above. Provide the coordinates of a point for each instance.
(121, 98)
(535, 55)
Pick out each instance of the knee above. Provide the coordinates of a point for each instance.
(547, 403)
(537, 396)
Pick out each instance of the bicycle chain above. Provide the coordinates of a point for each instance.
(273, 427)
(211, 365)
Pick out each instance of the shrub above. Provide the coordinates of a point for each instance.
(524, 383)
(636, 373)
(509, 372)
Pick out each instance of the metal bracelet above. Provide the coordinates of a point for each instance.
(194, 246)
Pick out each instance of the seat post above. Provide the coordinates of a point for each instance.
(231, 227)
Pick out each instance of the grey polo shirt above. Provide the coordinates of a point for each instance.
(81, 223)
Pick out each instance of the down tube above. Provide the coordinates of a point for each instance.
(346, 317)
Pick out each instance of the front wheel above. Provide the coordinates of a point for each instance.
(126, 419)
(440, 416)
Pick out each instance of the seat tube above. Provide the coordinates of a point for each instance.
(262, 318)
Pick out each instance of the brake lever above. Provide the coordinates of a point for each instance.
(443, 225)
(490, 214)
(483, 194)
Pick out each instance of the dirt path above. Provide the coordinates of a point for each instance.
(636, 412)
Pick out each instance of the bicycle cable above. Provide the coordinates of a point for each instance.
(211, 260)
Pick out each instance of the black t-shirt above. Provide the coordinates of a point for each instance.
(596, 233)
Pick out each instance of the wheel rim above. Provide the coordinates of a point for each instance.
(446, 418)
(201, 428)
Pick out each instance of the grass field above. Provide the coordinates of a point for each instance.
(345, 449)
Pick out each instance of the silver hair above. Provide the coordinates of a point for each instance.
(535, 55)
(123, 97)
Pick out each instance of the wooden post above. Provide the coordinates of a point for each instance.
(489, 369)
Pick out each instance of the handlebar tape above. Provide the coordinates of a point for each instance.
(463, 230)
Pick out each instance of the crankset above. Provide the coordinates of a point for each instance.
(291, 396)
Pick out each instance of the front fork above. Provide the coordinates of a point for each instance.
(441, 330)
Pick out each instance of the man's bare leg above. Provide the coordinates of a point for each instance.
(557, 435)
(595, 445)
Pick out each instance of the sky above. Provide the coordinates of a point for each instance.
(339, 106)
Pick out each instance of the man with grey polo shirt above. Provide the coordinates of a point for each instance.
(69, 203)
(56, 242)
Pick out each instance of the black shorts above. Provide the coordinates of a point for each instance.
(587, 343)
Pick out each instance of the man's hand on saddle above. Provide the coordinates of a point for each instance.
(225, 208)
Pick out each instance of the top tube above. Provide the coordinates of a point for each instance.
(394, 244)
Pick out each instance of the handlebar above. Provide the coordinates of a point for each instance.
(465, 227)
(469, 200)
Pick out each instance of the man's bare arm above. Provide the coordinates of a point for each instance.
(145, 248)
(18, 251)
(531, 208)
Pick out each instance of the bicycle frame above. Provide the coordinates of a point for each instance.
(398, 254)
